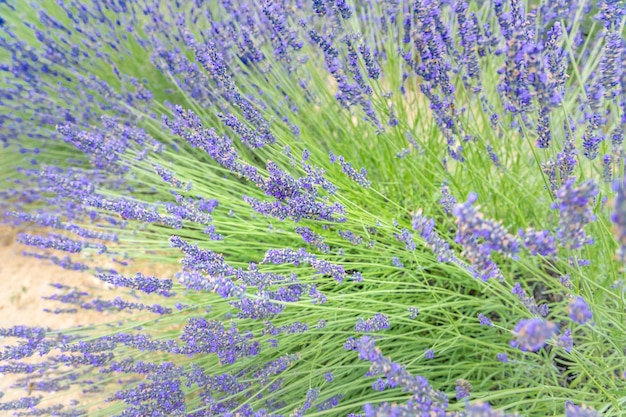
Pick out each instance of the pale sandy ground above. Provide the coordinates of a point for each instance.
(23, 282)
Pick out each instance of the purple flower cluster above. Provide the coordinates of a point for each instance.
(538, 242)
(532, 334)
(330, 403)
(301, 256)
(463, 389)
(313, 239)
(479, 237)
(395, 261)
(565, 340)
(53, 241)
(351, 237)
(502, 357)
(54, 221)
(161, 391)
(360, 177)
(406, 238)
(65, 262)
(447, 200)
(201, 337)
(104, 146)
(529, 302)
(572, 410)
(22, 403)
(561, 167)
(575, 212)
(77, 298)
(618, 216)
(133, 210)
(34, 341)
(484, 320)
(207, 271)
(579, 310)
(482, 409)
(423, 398)
(311, 395)
(426, 229)
(140, 282)
(374, 324)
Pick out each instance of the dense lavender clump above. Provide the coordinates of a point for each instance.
(304, 178)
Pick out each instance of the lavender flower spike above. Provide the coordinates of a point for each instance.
(574, 204)
(618, 217)
(579, 310)
(532, 334)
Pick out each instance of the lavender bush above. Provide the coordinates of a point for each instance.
(375, 208)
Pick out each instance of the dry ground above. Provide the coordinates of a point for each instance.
(23, 283)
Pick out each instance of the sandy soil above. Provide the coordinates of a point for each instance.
(24, 280)
(23, 283)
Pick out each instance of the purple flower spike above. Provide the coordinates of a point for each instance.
(395, 261)
(529, 302)
(484, 320)
(447, 200)
(426, 229)
(406, 238)
(357, 176)
(424, 400)
(618, 216)
(572, 410)
(480, 237)
(565, 340)
(574, 204)
(538, 242)
(484, 410)
(22, 403)
(313, 239)
(140, 282)
(378, 322)
(462, 388)
(579, 311)
(52, 242)
(429, 354)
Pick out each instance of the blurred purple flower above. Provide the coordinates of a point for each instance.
(532, 334)
(579, 310)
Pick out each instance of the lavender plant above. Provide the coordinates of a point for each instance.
(375, 208)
